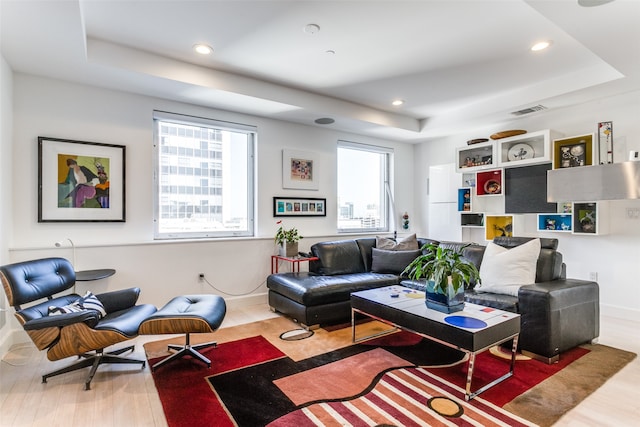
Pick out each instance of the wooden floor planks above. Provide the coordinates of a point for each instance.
(125, 395)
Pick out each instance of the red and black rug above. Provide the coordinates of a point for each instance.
(400, 379)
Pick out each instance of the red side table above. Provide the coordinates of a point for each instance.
(295, 262)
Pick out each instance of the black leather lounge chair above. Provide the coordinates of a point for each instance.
(71, 325)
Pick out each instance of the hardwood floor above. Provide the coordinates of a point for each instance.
(122, 396)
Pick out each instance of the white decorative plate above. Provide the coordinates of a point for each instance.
(520, 151)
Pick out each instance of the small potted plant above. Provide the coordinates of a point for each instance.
(287, 240)
(446, 272)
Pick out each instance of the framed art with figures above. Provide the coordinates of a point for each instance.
(80, 181)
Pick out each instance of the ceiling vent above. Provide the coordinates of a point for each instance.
(529, 110)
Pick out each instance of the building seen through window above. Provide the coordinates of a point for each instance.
(363, 174)
(204, 184)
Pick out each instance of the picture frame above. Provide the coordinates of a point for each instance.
(299, 170)
(299, 206)
(574, 151)
(605, 142)
(80, 181)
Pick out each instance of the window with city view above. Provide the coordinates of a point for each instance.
(363, 172)
(203, 177)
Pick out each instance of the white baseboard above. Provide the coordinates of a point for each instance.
(11, 337)
(247, 300)
(620, 312)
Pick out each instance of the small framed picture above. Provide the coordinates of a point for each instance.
(605, 142)
(573, 152)
(80, 181)
(299, 170)
(294, 206)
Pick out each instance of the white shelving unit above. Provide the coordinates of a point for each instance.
(476, 157)
(472, 219)
(555, 222)
(590, 218)
(526, 149)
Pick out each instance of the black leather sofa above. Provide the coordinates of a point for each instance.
(557, 313)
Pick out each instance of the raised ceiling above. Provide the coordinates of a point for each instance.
(458, 65)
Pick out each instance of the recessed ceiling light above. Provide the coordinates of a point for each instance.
(202, 49)
(397, 102)
(324, 121)
(311, 28)
(541, 45)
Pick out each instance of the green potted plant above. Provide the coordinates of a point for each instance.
(446, 272)
(287, 240)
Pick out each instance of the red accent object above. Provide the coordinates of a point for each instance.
(185, 394)
(189, 401)
(489, 182)
(295, 262)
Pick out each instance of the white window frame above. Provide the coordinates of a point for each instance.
(386, 197)
(158, 177)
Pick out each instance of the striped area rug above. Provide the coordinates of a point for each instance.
(258, 379)
(404, 397)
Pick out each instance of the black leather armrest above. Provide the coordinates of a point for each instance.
(558, 315)
(90, 317)
(563, 290)
(119, 300)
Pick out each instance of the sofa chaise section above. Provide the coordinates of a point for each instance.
(322, 295)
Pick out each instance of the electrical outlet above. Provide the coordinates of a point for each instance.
(593, 276)
(201, 277)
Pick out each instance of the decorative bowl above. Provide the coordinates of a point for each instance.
(492, 187)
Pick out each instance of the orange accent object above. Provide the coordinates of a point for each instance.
(507, 133)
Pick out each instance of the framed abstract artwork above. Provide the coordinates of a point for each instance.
(80, 181)
(573, 152)
(299, 170)
(302, 206)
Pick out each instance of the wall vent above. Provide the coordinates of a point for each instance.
(529, 110)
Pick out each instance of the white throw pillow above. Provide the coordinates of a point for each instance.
(504, 271)
(409, 243)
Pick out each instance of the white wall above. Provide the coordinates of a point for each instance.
(615, 256)
(236, 267)
(6, 120)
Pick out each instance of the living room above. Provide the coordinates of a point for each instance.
(39, 105)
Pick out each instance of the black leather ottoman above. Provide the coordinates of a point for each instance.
(186, 315)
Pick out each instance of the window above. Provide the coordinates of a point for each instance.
(203, 177)
(363, 187)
